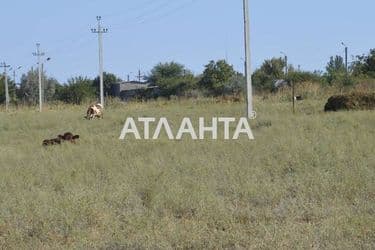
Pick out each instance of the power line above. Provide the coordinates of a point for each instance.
(145, 4)
(144, 18)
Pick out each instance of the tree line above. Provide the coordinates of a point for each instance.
(174, 79)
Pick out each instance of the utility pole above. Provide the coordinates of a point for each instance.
(286, 63)
(249, 95)
(346, 57)
(100, 32)
(5, 66)
(139, 76)
(39, 54)
(293, 97)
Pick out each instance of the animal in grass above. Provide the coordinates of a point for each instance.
(94, 111)
(49, 142)
(68, 137)
(61, 138)
(298, 98)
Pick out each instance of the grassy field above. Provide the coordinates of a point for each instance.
(307, 181)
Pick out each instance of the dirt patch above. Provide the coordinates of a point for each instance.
(352, 101)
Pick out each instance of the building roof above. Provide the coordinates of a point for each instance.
(124, 86)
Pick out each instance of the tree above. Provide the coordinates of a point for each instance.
(336, 70)
(108, 80)
(77, 91)
(270, 71)
(172, 79)
(365, 65)
(11, 89)
(216, 77)
(49, 88)
(335, 65)
(235, 85)
(29, 88)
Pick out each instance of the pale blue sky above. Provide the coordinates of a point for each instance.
(143, 33)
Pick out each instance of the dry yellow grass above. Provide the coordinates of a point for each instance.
(306, 182)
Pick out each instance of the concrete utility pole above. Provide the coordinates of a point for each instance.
(286, 63)
(249, 94)
(43, 80)
(100, 32)
(346, 57)
(5, 66)
(39, 54)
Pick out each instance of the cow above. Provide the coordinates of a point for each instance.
(93, 111)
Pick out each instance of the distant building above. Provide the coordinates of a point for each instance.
(280, 83)
(134, 90)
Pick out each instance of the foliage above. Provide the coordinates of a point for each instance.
(351, 101)
(29, 88)
(304, 76)
(77, 91)
(236, 85)
(172, 79)
(49, 88)
(336, 71)
(216, 77)
(108, 80)
(11, 89)
(270, 71)
(365, 65)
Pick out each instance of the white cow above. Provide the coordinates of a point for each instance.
(94, 110)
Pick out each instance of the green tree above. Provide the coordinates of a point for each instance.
(78, 90)
(270, 71)
(216, 77)
(172, 79)
(11, 89)
(304, 76)
(108, 80)
(29, 88)
(49, 88)
(336, 71)
(335, 65)
(365, 65)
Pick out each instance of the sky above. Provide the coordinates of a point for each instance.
(192, 32)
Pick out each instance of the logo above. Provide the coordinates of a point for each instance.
(197, 130)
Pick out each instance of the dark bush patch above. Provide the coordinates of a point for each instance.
(352, 101)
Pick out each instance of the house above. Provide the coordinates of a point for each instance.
(280, 83)
(134, 90)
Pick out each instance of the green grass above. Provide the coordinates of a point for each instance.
(305, 182)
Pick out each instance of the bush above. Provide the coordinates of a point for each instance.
(353, 101)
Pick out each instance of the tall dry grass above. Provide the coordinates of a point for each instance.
(306, 182)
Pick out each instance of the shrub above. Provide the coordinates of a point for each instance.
(352, 101)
